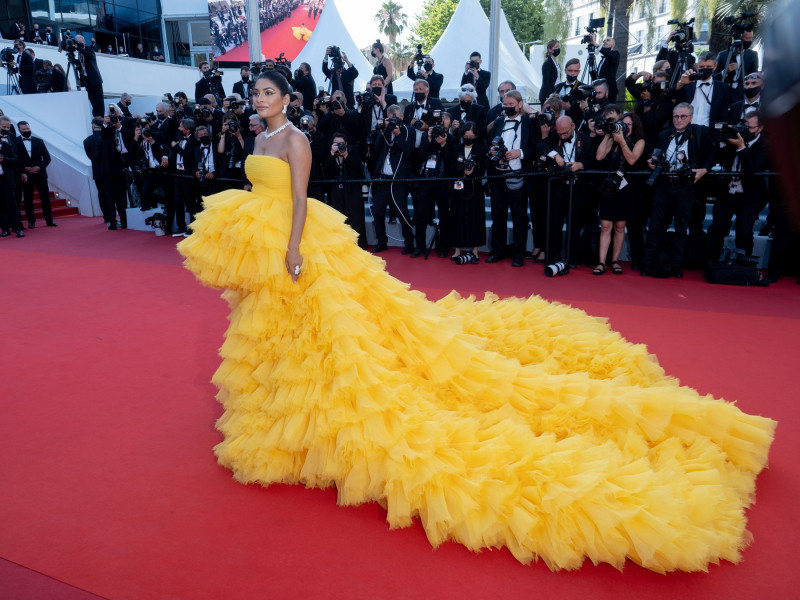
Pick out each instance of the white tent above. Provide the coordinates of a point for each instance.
(468, 31)
(331, 31)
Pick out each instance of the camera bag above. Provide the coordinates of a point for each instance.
(734, 274)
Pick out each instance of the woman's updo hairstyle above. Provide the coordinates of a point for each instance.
(279, 80)
(379, 47)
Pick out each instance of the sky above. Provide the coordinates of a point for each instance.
(359, 17)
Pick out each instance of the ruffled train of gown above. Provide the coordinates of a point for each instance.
(517, 423)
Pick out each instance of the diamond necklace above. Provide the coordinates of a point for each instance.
(277, 131)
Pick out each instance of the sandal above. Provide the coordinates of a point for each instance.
(599, 269)
(616, 268)
(539, 257)
(474, 260)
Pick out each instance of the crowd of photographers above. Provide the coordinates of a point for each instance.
(431, 167)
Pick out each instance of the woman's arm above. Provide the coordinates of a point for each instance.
(632, 155)
(299, 158)
(388, 66)
(605, 147)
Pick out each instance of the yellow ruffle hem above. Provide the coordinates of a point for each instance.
(518, 423)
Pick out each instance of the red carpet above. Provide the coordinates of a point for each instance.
(278, 38)
(110, 487)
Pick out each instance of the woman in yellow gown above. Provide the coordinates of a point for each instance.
(517, 423)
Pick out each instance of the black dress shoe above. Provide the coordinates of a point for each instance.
(442, 253)
(52, 224)
(493, 258)
(517, 262)
(417, 253)
(20, 233)
(5, 233)
(31, 225)
(407, 250)
(379, 248)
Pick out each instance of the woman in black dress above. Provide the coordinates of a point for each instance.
(468, 206)
(619, 152)
(383, 66)
(551, 71)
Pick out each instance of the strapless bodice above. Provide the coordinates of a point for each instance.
(269, 174)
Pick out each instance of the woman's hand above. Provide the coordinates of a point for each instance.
(293, 263)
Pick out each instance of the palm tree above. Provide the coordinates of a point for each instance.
(400, 56)
(391, 21)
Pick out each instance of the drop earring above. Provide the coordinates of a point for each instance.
(284, 109)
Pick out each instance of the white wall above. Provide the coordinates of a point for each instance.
(183, 8)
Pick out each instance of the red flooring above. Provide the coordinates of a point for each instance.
(110, 489)
(278, 38)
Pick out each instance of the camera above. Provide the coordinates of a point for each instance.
(594, 25)
(340, 147)
(594, 112)
(366, 99)
(728, 132)
(683, 38)
(474, 64)
(7, 56)
(660, 161)
(610, 128)
(499, 157)
(419, 57)
(112, 114)
(336, 105)
(180, 113)
(546, 117)
(683, 171)
(610, 185)
(464, 164)
(738, 26)
(68, 44)
(558, 268)
(335, 57)
(282, 60)
(438, 131)
(391, 123)
(43, 81)
(233, 126)
(584, 92)
(234, 103)
(305, 123)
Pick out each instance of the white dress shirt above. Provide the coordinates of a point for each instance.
(703, 95)
(512, 138)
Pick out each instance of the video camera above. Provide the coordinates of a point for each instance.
(282, 60)
(729, 132)
(683, 38)
(594, 25)
(419, 57)
(738, 26)
(7, 56)
(335, 58)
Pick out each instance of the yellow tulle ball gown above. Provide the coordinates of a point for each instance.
(518, 423)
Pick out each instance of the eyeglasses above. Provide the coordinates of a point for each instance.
(681, 116)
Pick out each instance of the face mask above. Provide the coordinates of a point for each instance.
(572, 78)
(511, 111)
(419, 96)
(428, 67)
(26, 134)
(752, 92)
(746, 45)
(556, 52)
(376, 91)
(373, 54)
(205, 140)
(705, 73)
(245, 78)
(465, 105)
(468, 141)
(161, 116)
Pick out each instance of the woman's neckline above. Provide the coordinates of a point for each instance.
(271, 156)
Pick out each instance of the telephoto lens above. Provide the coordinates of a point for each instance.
(559, 268)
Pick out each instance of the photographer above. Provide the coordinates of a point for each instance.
(113, 157)
(86, 66)
(425, 70)
(343, 163)
(419, 114)
(609, 63)
(477, 77)
(206, 169)
(654, 107)
(753, 86)
(468, 110)
(566, 90)
(304, 83)
(210, 83)
(182, 163)
(205, 115)
(10, 218)
(58, 79)
(153, 162)
(467, 203)
(50, 37)
(337, 117)
(341, 79)
(745, 152)
(551, 71)
(230, 150)
(708, 97)
(27, 70)
(319, 151)
(620, 151)
(242, 87)
(90, 147)
(394, 149)
(383, 66)
(743, 62)
(513, 143)
(435, 154)
(166, 125)
(569, 151)
(686, 151)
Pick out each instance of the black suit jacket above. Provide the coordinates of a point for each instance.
(17, 33)
(484, 80)
(433, 78)
(608, 70)
(308, 87)
(39, 156)
(238, 88)
(549, 76)
(752, 159)
(750, 65)
(719, 100)
(50, 38)
(90, 145)
(400, 151)
(58, 82)
(701, 145)
(476, 114)
(203, 87)
(431, 104)
(585, 152)
(735, 112)
(342, 81)
(27, 68)
(186, 153)
(528, 139)
(90, 62)
(9, 164)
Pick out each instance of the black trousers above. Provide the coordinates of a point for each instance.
(183, 198)
(385, 193)
(637, 222)
(116, 197)
(102, 198)
(725, 207)
(536, 188)
(95, 93)
(39, 182)
(503, 200)
(559, 212)
(347, 199)
(433, 194)
(10, 219)
(670, 199)
(151, 181)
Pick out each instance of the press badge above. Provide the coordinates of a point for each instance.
(622, 182)
(458, 185)
(431, 164)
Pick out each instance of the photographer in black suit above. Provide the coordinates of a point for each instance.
(468, 109)
(743, 195)
(10, 219)
(182, 166)
(687, 150)
(90, 75)
(708, 97)
(27, 69)
(394, 149)
(90, 145)
(426, 72)
(115, 153)
(304, 83)
(153, 160)
(341, 78)
(242, 87)
(608, 65)
(33, 158)
(732, 72)
(753, 86)
(477, 77)
(343, 164)
(208, 84)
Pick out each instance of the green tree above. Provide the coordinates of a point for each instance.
(559, 18)
(525, 17)
(391, 20)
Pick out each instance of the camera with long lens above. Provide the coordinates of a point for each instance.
(419, 57)
(660, 162)
(341, 147)
(546, 117)
(7, 56)
(728, 132)
(366, 99)
(499, 156)
(391, 123)
(335, 105)
(683, 38)
(233, 126)
(593, 112)
(438, 131)
(584, 92)
(234, 103)
(335, 57)
(180, 113)
(594, 25)
(557, 268)
(610, 128)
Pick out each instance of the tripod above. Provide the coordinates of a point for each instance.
(680, 68)
(590, 67)
(735, 54)
(12, 81)
(71, 64)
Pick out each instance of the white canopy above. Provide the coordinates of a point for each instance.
(331, 31)
(467, 32)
